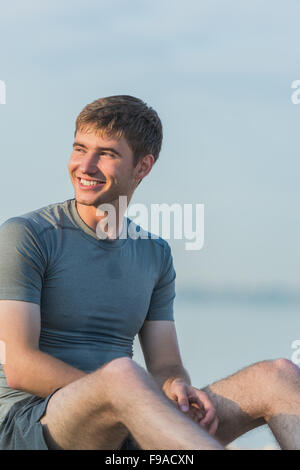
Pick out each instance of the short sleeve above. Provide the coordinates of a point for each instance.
(163, 295)
(22, 262)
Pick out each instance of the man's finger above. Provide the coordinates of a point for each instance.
(183, 401)
(210, 411)
(197, 413)
(209, 417)
(214, 426)
(195, 400)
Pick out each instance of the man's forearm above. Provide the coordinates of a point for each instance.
(40, 374)
(166, 375)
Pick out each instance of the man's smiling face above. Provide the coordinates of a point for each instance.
(101, 168)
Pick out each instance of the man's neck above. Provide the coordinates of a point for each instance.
(98, 220)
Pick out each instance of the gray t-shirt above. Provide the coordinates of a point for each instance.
(94, 294)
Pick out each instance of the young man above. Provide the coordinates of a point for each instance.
(72, 302)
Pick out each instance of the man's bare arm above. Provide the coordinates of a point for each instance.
(160, 347)
(162, 356)
(26, 367)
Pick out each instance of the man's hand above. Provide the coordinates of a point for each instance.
(193, 402)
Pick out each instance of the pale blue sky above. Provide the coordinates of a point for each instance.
(219, 73)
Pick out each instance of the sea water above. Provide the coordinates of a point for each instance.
(219, 338)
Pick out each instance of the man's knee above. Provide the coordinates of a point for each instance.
(119, 374)
(285, 364)
(285, 369)
(115, 369)
(275, 373)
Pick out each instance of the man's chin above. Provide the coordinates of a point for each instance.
(84, 202)
(95, 202)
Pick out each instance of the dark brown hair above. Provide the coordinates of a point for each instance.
(117, 116)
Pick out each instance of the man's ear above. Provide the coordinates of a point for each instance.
(144, 166)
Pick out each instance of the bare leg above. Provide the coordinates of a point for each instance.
(265, 392)
(98, 411)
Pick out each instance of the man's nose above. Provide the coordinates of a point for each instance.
(89, 163)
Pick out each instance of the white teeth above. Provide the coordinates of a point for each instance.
(88, 183)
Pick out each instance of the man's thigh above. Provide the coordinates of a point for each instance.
(78, 416)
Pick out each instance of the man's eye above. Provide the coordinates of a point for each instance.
(108, 154)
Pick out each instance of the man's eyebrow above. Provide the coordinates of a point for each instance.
(77, 144)
(110, 149)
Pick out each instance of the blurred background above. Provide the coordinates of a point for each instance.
(219, 74)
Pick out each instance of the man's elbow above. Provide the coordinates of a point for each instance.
(11, 377)
(15, 374)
